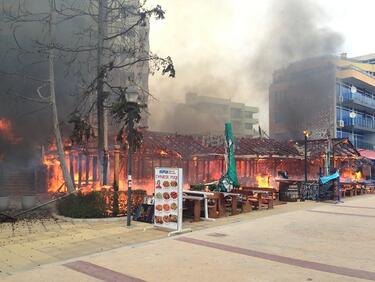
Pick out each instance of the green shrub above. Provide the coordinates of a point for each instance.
(88, 205)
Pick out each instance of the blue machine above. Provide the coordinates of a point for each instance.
(325, 179)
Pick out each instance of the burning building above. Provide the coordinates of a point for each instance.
(25, 119)
(338, 153)
(202, 158)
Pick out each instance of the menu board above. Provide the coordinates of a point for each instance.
(168, 198)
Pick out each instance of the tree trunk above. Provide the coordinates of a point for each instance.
(101, 96)
(56, 127)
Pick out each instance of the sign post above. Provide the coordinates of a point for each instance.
(168, 199)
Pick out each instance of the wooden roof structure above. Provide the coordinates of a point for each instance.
(342, 147)
(188, 146)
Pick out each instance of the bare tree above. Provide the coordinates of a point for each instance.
(105, 46)
(120, 49)
(55, 119)
(25, 17)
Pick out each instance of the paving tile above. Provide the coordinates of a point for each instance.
(30, 254)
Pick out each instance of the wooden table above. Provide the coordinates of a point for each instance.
(250, 191)
(234, 201)
(205, 196)
(197, 205)
(218, 208)
(349, 188)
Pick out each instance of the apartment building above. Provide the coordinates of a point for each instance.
(223, 110)
(329, 96)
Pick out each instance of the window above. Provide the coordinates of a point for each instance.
(248, 125)
(236, 126)
(248, 114)
(235, 113)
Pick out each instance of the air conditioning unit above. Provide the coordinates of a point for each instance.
(341, 99)
(340, 123)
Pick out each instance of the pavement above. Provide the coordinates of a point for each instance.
(295, 242)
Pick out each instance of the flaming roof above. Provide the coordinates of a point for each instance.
(186, 146)
(316, 148)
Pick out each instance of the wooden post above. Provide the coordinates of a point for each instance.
(204, 170)
(87, 169)
(79, 170)
(196, 171)
(116, 179)
(71, 167)
(187, 172)
(197, 210)
(94, 168)
(208, 170)
(234, 205)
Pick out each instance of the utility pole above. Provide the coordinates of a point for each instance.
(101, 95)
(130, 169)
(306, 134)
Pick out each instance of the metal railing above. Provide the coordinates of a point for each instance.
(358, 98)
(360, 122)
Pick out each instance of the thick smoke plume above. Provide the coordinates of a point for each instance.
(295, 32)
(291, 30)
(24, 69)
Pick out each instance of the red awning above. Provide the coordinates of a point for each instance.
(367, 154)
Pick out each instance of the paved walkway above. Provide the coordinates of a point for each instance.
(294, 242)
(26, 245)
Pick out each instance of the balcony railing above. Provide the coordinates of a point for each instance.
(359, 98)
(360, 122)
(364, 145)
(357, 140)
(363, 99)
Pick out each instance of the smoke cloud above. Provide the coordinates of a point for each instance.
(240, 64)
(23, 69)
(220, 48)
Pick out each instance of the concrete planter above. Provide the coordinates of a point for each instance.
(4, 203)
(28, 202)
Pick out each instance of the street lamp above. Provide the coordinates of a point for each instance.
(306, 133)
(132, 103)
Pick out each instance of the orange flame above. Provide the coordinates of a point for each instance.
(163, 153)
(349, 175)
(6, 131)
(263, 181)
(358, 176)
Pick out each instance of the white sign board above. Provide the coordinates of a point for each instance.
(168, 198)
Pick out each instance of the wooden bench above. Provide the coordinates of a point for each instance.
(197, 205)
(258, 197)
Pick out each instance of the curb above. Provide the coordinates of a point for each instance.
(105, 219)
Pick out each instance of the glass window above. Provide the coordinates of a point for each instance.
(248, 125)
(248, 114)
(235, 113)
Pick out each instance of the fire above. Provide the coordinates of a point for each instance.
(55, 178)
(85, 177)
(357, 175)
(349, 175)
(263, 181)
(6, 132)
(163, 153)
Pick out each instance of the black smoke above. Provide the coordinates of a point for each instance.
(24, 70)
